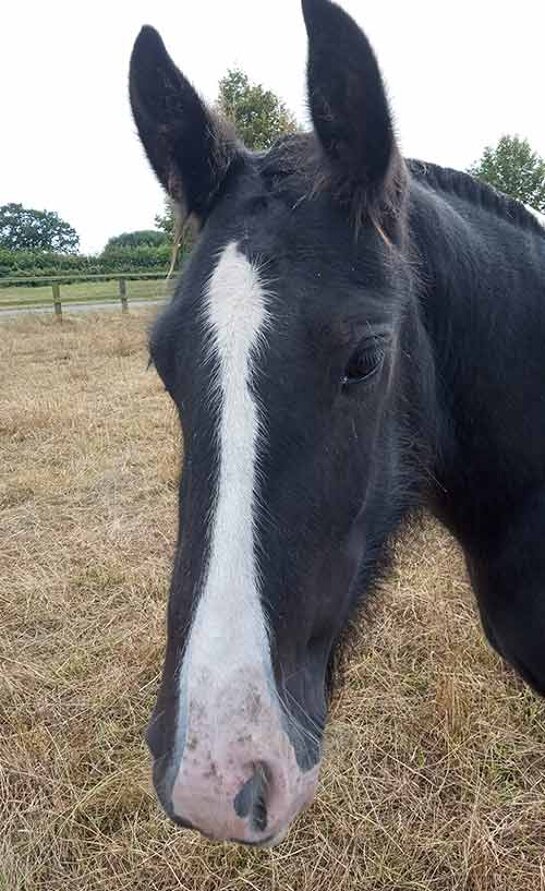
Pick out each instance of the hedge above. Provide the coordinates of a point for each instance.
(30, 264)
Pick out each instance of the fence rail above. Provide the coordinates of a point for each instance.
(38, 281)
(19, 284)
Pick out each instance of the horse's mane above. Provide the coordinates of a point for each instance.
(292, 160)
(475, 192)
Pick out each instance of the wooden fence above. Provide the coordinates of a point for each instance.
(57, 281)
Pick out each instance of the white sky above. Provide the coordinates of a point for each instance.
(459, 75)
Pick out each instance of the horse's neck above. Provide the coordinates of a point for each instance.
(482, 301)
(472, 261)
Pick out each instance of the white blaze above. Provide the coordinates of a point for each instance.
(228, 633)
(230, 714)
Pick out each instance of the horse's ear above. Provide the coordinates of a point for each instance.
(350, 111)
(188, 148)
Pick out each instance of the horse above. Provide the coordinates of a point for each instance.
(356, 337)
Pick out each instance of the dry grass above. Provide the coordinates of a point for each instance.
(435, 769)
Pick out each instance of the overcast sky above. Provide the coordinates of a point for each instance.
(459, 76)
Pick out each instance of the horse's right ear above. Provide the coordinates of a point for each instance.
(188, 148)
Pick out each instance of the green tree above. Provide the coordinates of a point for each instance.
(512, 167)
(165, 222)
(258, 115)
(22, 228)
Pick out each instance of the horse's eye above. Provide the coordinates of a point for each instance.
(364, 362)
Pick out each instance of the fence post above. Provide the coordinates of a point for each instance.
(123, 294)
(57, 301)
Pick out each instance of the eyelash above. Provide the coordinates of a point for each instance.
(364, 363)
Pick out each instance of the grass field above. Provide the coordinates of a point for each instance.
(434, 775)
(81, 292)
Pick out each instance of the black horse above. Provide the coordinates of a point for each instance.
(354, 337)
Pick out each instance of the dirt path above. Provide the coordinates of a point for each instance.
(71, 308)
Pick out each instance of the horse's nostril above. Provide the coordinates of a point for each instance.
(259, 812)
(251, 801)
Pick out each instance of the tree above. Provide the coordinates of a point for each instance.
(150, 237)
(258, 115)
(512, 167)
(165, 221)
(22, 228)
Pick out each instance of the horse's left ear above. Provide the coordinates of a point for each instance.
(350, 112)
(189, 149)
